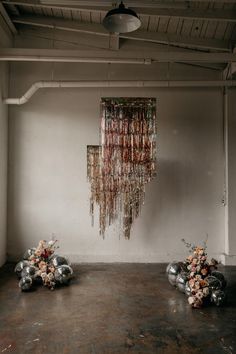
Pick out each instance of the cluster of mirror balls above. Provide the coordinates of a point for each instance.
(178, 276)
(27, 273)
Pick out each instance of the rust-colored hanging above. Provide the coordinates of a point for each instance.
(120, 167)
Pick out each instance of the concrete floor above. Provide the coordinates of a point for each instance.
(113, 308)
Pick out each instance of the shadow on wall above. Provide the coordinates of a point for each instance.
(167, 198)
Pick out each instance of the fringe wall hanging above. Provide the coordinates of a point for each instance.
(119, 169)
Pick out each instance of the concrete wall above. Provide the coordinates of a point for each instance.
(48, 190)
(4, 41)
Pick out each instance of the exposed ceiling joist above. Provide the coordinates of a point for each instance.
(134, 3)
(191, 14)
(5, 28)
(101, 4)
(60, 55)
(57, 6)
(114, 41)
(178, 40)
(230, 69)
(7, 19)
(215, 66)
(66, 37)
(97, 29)
(66, 25)
(187, 13)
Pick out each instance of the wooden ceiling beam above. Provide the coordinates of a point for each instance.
(103, 4)
(6, 18)
(142, 36)
(187, 13)
(176, 40)
(114, 41)
(130, 3)
(61, 24)
(191, 14)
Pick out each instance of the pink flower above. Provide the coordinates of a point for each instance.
(191, 282)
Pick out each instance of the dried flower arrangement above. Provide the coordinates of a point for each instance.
(42, 265)
(198, 278)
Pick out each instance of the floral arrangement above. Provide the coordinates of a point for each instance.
(198, 278)
(40, 259)
(42, 265)
(199, 269)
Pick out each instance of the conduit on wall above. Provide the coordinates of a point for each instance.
(115, 84)
(226, 167)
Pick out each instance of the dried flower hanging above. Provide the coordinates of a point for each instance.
(119, 169)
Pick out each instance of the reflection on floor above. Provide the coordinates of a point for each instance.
(113, 308)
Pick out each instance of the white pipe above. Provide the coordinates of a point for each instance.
(226, 166)
(73, 84)
(108, 56)
(44, 58)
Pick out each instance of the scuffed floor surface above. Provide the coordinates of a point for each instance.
(113, 308)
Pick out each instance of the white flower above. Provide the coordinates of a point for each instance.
(44, 275)
(199, 295)
(50, 276)
(205, 291)
(191, 300)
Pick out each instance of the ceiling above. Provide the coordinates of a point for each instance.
(199, 26)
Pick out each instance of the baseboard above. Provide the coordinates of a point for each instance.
(120, 258)
(131, 258)
(113, 258)
(228, 259)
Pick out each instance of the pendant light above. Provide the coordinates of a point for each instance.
(121, 20)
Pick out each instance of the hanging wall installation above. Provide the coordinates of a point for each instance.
(119, 169)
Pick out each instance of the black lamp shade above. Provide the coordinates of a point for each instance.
(121, 20)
